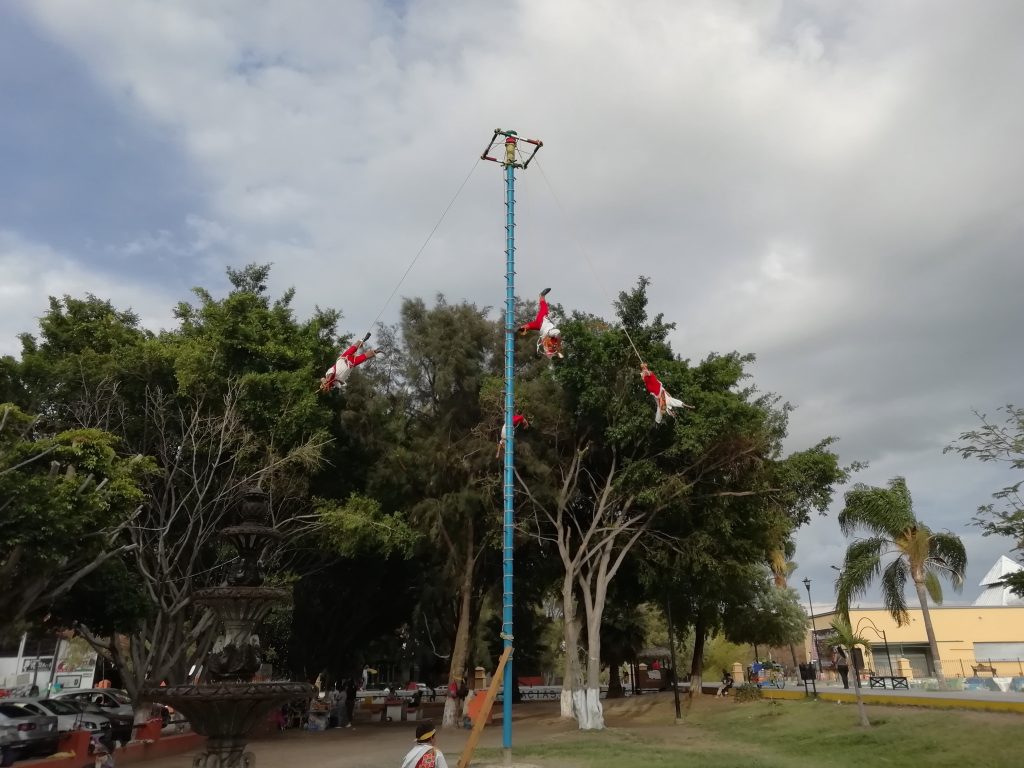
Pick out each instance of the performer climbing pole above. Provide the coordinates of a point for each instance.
(509, 162)
(517, 421)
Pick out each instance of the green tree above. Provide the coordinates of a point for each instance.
(1000, 443)
(624, 625)
(442, 470)
(720, 655)
(773, 618)
(604, 480)
(65, 500)
(917, 553)
(223, 402)
(716, 561)
(846, 637)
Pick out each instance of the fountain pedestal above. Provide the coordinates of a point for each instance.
(230, 705)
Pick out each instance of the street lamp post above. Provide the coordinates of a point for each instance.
(814, 629)
(878, 632)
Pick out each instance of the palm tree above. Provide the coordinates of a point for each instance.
(887, 515)
(846, 637)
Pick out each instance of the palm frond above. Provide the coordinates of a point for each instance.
(880, 511)
(861, 566)
(933, 585)
(894, 581)
(898, 488)
(948, 553)
(846, 636)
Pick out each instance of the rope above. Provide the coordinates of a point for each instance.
(582, 250)
(425, 242)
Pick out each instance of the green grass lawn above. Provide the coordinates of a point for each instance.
(790, 734)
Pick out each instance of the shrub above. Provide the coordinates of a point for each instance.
(749, 692)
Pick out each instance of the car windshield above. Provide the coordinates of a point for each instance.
(58, 707)
(13, 710)
(120, 698)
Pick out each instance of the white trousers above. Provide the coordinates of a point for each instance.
(341, 369)
(670, 403)
(546, 327)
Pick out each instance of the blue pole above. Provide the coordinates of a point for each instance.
(509, 521)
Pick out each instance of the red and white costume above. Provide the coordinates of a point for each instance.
(665, 403)
(337, 374)
(517, 419)
(550, 340)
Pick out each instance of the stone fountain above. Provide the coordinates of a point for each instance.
(227, 707)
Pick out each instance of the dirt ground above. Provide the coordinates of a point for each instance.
(643, 721)
(380, 745)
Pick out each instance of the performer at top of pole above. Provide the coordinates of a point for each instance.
(510, 149)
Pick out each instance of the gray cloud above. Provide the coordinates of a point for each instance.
(831, 185)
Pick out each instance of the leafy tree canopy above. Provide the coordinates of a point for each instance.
(1000, 443)
(63, 499)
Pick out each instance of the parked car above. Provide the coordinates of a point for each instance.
(113, 700)
(109, 699)
(24, 733)
(69, 717)
(121, 726)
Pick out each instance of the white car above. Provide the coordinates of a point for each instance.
(111, 699)
(69, 717)
(23, 733)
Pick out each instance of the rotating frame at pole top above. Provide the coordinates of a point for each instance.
(511, 143)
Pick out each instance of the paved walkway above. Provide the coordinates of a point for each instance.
(376, 745)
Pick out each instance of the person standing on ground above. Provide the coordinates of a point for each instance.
(350, 702)
(342, 701)
(842, 665)
(463, 694)
(334, 701)
(424, 754)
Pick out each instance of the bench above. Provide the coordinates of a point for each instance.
(984, 668)
(878, 681)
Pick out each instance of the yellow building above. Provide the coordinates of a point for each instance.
(990, 632)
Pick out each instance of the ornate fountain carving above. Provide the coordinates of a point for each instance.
(228, 707)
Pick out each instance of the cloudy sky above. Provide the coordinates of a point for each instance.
(833, 185)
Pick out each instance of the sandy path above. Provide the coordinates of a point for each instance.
(381, 745)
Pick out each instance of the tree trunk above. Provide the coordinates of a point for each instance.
(589, 712)
(615, 679)
(697, 666)
(461, 649)
(142, 712)
(860, 701)
(571, 636)
(922, 595)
